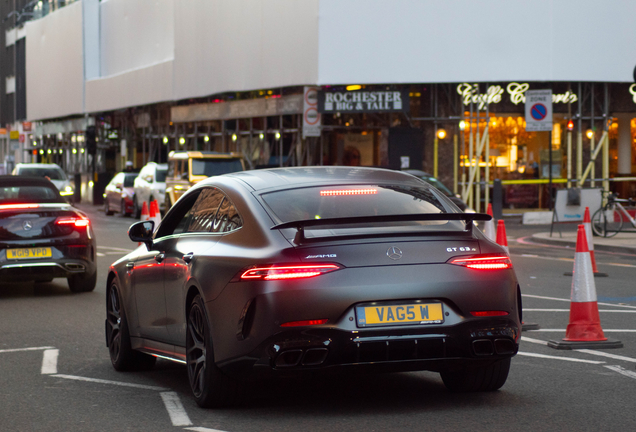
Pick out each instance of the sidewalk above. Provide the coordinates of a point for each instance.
(621, 242)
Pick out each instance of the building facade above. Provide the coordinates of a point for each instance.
(410, 84)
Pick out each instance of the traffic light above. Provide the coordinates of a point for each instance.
(91, 142)
(570, 125)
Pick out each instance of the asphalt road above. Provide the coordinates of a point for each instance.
(56, 374)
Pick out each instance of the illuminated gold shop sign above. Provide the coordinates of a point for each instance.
(516, 92)
(632, 90)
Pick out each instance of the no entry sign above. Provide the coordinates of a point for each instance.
(538, 110)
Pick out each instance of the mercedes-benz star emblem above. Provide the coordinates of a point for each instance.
(394, 253)
(27, 225)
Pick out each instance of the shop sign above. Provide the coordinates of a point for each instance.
(14, 135)
(363, 101)
(516, 92)
(538, 110)
(22, 138)
(26, 126)
(632, 90)
(311, 116)
(3, 131)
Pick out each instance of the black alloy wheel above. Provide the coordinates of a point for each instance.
(210, 387)
(122, 356)
(107, 210)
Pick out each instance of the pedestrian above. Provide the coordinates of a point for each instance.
(351, 156)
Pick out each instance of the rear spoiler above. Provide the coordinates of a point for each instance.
(300, 225)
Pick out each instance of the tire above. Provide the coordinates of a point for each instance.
(122, 209)
(607, 223)
(82, 283)
(122, 356)
(477, 379)
(107, 210)
(209, 386)
(136, 214)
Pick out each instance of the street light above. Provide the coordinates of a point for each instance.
(589, 133)
(441, 134)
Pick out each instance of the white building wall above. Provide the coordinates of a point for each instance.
(240, 45)
(412, 41)
(54, 64)
(163, 50)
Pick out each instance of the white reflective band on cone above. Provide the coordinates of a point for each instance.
(588, 236)
(583, 288)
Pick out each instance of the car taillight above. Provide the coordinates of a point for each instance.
(77, 222)
(304, 323)
(18, 206)
(282, 272)
(483, 262)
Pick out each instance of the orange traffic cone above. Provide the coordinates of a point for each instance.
(155, 215)
(587, 223)
(144, 212)
(502, 240)
(584, 329)
(489, 226)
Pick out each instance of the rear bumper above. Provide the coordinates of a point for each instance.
(44, 270)
(294, 352)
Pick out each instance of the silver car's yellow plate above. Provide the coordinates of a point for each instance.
(399, 314)
(29, 253)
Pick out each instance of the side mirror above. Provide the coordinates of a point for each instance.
(142, 232)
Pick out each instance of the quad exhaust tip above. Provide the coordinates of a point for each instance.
(308, 357)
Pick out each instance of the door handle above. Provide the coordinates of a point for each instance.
(188, 257)
(160, 257)
(130, 265)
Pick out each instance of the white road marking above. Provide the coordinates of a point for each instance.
(563, 330)
(572, 260)
(622, 371)
(177, 413)
(559, 358)
(25, 349)
(604, 354)
(99, 254)
(101, 381)
(531, 340)
(568, 310)
(49, 361)
(202, 429)
(568, 300)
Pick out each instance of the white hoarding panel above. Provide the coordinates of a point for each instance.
(538, 110)
(244, 45)
(54, 64)
(423, 41)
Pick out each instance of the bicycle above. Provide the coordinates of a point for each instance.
(608, 220)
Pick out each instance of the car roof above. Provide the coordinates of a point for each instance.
(285, 178)
(37, 165)
(11, 180)
(180, 155)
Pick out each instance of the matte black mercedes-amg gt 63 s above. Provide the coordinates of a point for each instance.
(42, 237)
(314, 269)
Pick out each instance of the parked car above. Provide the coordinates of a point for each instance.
(149, 185)
(51, 171)
(118, 195)
(428, 178)
(42, 237)
(186, 168)
(299, 271)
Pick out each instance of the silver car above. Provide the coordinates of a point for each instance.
(51, 171)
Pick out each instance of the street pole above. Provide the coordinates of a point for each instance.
(550, 172)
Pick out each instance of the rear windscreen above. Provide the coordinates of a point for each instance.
(356, 201)
(29, 194)
(51, 173)
(214, 167)
(129, 180)
(161, 176)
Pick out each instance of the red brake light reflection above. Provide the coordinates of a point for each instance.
(488, 313)
(484, 263)
(288, 272)
(340, 192)
(304, 323)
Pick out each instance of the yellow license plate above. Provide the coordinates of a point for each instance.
(402, 314)
(40, 252)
